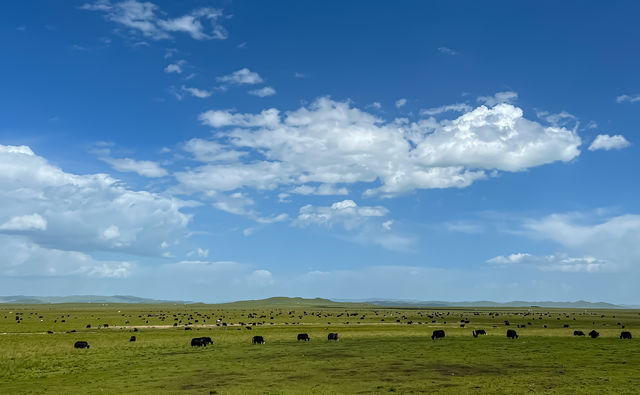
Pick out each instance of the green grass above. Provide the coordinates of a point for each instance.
(373, 356)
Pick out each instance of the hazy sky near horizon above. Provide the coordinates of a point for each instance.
(224, 150)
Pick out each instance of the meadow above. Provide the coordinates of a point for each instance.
(381, 350)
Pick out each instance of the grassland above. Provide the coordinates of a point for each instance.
(381, 350)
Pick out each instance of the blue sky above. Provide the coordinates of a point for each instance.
(227, 150)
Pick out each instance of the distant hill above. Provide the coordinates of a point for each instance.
(581, 304)
(291, 302)
(21, 299)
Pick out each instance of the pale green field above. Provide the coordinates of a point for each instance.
(372, 356)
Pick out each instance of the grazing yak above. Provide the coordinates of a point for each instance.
(201, 341)
(333, 336)
(511, 334)
(437, 334)
(81, 344)
(303, 336)
(257, 340)
(625, 335)
(593, 334)
(132, 339)
(578, 333)
(478, 332)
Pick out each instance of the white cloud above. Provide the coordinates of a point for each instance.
(242, 77)
(554, 262)
(79, 208)
(346, 213)
(322, 190)
(330, 142)
(142, 18)
(199, 253)
(263, 92)
(614, 239)
(628, 98)
(199, 93)
(607, 142)
(112, 232)
(211, 151)
(222, 118)
(175, 67)
(447, 51)
(299, 75)
(560, 119)
(24, 223)
(498, 98)
(142, 167)
(260, 278)
(376, 105)
(401, 102)
(21, 258)
(458, 107)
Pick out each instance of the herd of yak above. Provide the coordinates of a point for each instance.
(437, 334)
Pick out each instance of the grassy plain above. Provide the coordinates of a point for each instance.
(380, 350)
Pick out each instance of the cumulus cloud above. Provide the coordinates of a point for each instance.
(84, 213)
(553, 262)
(498, 98)
(145, 18)
(242, 77)
(607, 142)
(628, 98)
(144, 168)
(25, 222)
(330, 142)
(263, 92)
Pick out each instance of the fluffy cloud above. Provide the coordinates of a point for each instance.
(83, 213)
(331, 142)
(242, 77)
(143, 167)
(554, 262)
(25, 222)
(143, 18)
(607, 142)
(263, 92)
